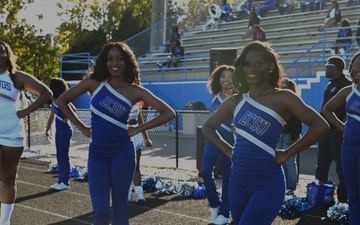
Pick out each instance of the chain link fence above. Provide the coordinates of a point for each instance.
(176, 144)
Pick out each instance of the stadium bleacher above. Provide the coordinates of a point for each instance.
(291, 35)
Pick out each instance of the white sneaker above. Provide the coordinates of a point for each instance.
(139, 194)
(214, 212)
(60, 186)
(220, 220)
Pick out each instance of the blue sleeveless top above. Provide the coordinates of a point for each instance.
(258, 130)
(59, 118)
(352, 128)
(109, 115)
(215, 103)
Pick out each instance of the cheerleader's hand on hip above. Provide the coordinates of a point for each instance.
(86, 131)
(281, 156)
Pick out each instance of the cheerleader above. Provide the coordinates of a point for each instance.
(257, 183)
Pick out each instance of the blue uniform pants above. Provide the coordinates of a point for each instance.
(210, 157)
(256, 200)
(62, 142)
(113, 175)
(350, 157)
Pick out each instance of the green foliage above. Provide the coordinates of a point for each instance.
(87, 25)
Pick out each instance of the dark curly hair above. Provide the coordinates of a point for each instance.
(132, 72)
(267, 53)
(214, 81)
(58, 86)
(351, 67)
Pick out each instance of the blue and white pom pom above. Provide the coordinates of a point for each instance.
(294, 206)
(74, 171)
(199, 192)
(166, 186)
(149, 184)
(186, 188)
(339, 212)
(83, 174)
(53, 167)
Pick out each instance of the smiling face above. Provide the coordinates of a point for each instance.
(256, 69)
(226, 79)
(356, 69)
(115, 63)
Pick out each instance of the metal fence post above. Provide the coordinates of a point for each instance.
(177, 139)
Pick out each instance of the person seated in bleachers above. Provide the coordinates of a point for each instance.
(259, 33)
(341, 44)
(313, 5)
(226, 11)
(244, 8)
(177, 53)
(267, 6)
(252, 21)
(333, 16)
(286, 5)
(350, 2)
(175, 34)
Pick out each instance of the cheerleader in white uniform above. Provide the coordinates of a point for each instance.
(139, 141)
(12, 133)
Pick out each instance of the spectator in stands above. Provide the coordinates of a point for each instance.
(350, 2)
(341, 43)
(175, 35)
(226, 11)
(267, 6)
(329, 147)
(304, 4)
(244, 8)
(253, 20)
(333, 16)
(290, 134)
(177, 53)
(358, 35)
(259, 33)
(286, 5)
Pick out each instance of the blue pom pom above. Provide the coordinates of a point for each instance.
(199, 193)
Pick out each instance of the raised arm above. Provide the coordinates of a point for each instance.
(332, 104)
(224, 112)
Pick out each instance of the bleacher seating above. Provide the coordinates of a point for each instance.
(290, 34)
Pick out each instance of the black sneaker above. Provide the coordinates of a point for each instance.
(159, 65)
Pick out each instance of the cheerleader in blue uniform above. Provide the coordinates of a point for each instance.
(257, 183)
(114, 86)
(350, 150)
(221, 86)
(63, 135)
